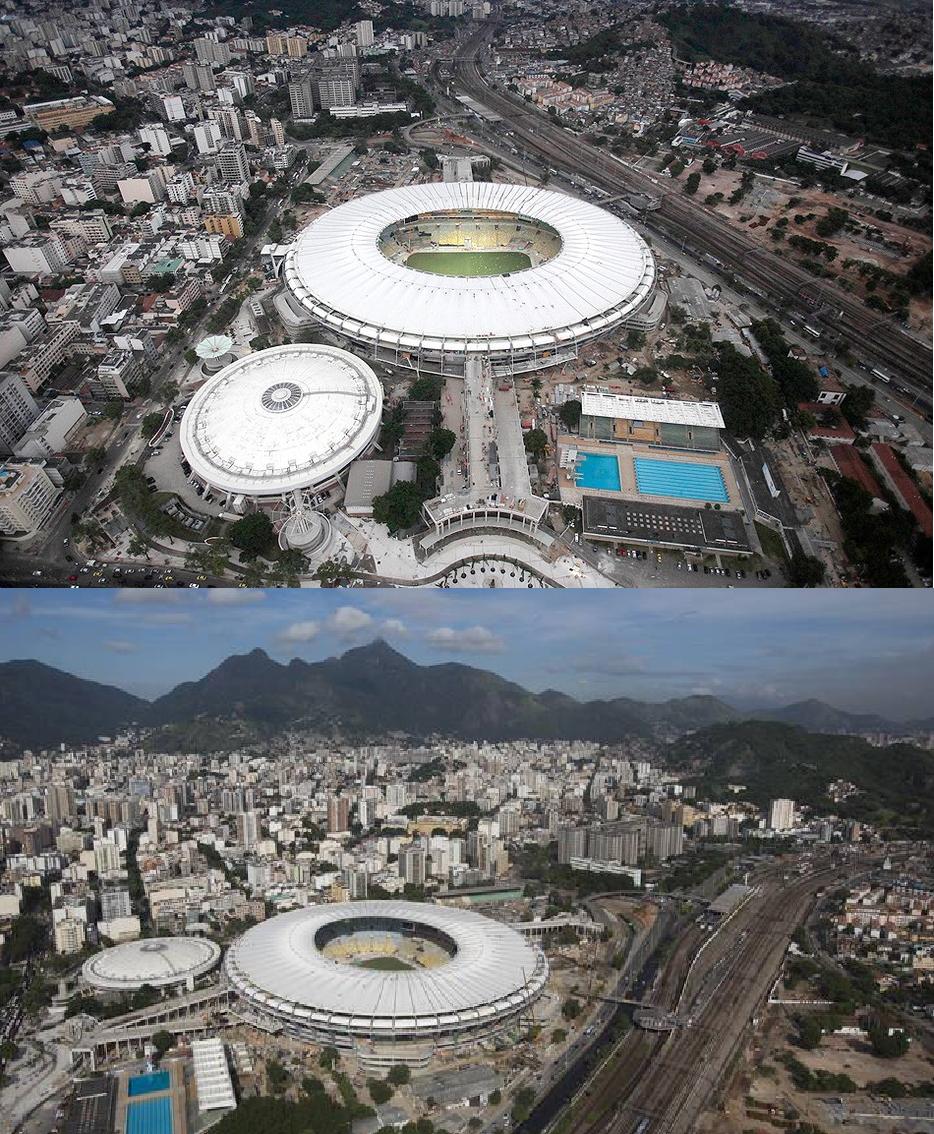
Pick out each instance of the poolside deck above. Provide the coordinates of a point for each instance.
(625, 453)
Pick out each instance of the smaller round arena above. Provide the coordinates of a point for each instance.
(283, 420)
(161, 962)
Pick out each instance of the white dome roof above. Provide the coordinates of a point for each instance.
(493, 973)
(280, 419)
(159, 961)
(603, 271)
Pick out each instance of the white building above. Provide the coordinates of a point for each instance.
(28, 496)
(781, 814)
(38, 255)
(18, 410)
(51, 432)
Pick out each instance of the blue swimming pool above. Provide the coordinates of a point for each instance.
(680, 479)
(594, 470)
(148, 1084)
(150, 1116)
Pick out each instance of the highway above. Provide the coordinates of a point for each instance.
(870, 335)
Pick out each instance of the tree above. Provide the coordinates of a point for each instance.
(856, 405)
(276, 1076)
(95, 455)
(113, 411)
(809, 1032)
(536, 442)
(570, 413)
(380, 1091)
(496, 1096)
(570, 1009)
(805, 570)
(441, 442)
(749, 398)
(151, 424)
(399, 1075)
(692, 184)
(635, 340)
(887, 1042)
(253, 534)
(558, 1035)
(163, 1041)
(400, 507)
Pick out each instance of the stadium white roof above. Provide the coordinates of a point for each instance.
(286, 418)
(603, 271)
(595, 403)
(278, 965)
(159, 961)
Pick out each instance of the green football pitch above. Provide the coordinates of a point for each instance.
(387, 964)
(468, 263)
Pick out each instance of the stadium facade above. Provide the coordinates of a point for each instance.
(429, 276)
(332, 974)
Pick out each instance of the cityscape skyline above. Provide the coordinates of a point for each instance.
(752, 651)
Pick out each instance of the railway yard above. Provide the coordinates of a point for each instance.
(714, 985)
(872, 336)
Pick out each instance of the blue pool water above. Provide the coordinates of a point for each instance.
(597, 471)
(149, 1116)
(681, 479)
(148, 1084)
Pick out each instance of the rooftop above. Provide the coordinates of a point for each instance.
(596, 403)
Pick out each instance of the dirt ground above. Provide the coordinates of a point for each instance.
(762, 1093)
(895, 248)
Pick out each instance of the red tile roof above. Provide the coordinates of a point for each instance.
(904, 486)
(851, 464)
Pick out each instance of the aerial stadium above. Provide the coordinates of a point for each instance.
(280, 425)
(428, 276)
(161, 962)
(386, 972)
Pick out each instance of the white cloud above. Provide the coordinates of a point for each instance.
(394, 626)
(350, 622)
(120, 646)
(300, 632)
(236, 597)
(468, 639)
(166, 597)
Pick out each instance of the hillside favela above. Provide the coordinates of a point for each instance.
(465, 294)
(321, 868)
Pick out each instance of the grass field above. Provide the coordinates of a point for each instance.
(386, 964)
(468, 263)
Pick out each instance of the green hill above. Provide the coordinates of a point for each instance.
(895, 784)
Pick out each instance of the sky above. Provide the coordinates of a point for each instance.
(861, 650)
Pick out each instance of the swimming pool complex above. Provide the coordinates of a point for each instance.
(596, 470)
(681, 479)
(150, 1116)
(148, 1084)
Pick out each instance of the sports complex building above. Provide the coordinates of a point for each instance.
(279, 426)
(385, 972)
(654, 471)
(430, 276)
(162, 962)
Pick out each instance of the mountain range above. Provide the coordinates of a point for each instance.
(369, 691)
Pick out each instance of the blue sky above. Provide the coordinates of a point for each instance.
(869, 651)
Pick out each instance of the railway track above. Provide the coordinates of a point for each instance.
(684, 220)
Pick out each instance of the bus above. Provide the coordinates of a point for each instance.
(881, 375)
(814, 332)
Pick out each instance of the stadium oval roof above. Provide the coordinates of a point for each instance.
(494, 972)
(286, 418)
(602, 272)
(158, 961)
